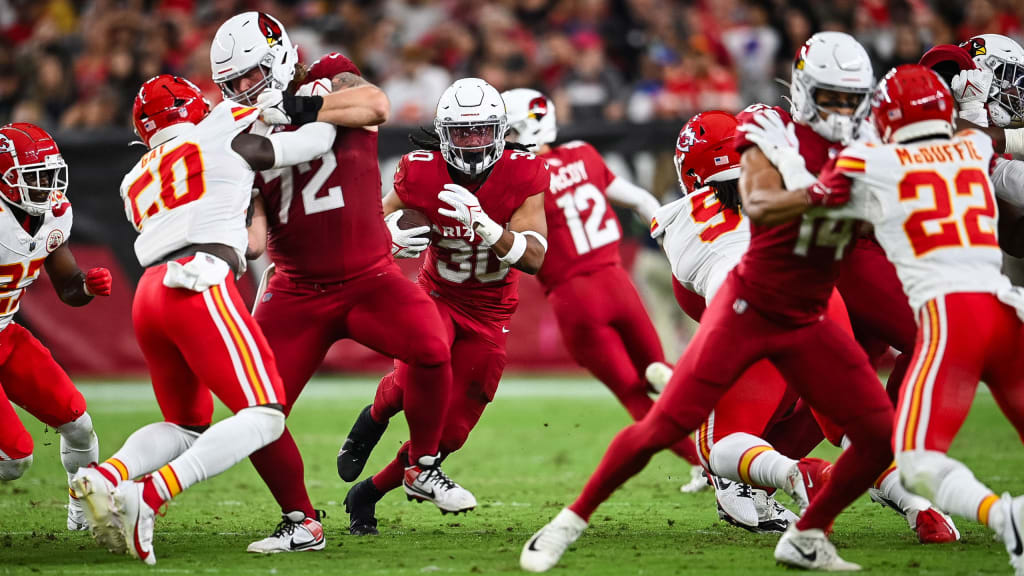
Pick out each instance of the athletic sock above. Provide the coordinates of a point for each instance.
(427, 389)
(79, 446)
(892, 490)
(147, 449)
(961, 494)
(388, 399)
(746, 458)
(280, 466)
(392, 475)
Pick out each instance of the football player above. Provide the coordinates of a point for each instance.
(928, 195)
(334, 276)
(35, 224)
(603, 321)
(188, 198)
(485, 202)
(771, 305)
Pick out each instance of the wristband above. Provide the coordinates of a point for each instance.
(539, 238)
(489, 230)
(516, 251)
(301, 109)
(794, 172)
(1014, 141)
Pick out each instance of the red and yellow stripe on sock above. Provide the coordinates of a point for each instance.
(747, 459)
(170, 481)
(122, 470)
(985, 507)
(889, 470)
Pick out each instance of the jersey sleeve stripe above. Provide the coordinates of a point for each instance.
(239, 113)
(850, 164)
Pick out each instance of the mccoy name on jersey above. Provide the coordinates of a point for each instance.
(193, 189)
(458, 268)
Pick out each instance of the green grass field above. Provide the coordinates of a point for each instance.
(531, 453)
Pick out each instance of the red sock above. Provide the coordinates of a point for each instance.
(686, 450)
(854, 472)
(391, 476)
(389, 397)
(280, 466)
(150, 495)
(427, 389)
(627, 455)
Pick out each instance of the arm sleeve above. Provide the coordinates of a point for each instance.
(303, 145)
(1008, 180)
(625, 193)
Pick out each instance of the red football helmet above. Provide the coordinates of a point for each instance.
(705, 150)
(164, 101)
(33, 175)
(912, 102)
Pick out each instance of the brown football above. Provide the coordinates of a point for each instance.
(412, 219)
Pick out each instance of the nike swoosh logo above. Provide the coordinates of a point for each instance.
(532, 546)
(423, 492)
(810, 481)
(1019, 549)
(301, 546)
(809, 557)
(505, 330)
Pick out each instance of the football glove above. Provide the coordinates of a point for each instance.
(779, 143)
(408, 243)
(280, 107)
(971, 88)
(465, 208)
(98, 282)
(831, 189)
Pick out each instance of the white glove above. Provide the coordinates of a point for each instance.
(780, 145)
(971, 89)
(406, 243)
(466, 209)
(271, 105)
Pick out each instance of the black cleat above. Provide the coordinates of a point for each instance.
(363, 436)
(361, 503)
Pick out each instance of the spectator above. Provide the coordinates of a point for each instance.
(416, 87)
(592, 90)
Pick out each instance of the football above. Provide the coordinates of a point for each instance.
(412, 219)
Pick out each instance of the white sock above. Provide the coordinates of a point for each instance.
(147, 449)
(892, 489)
(950, 485)
(225, 444)
(78, 444)
(746, 458)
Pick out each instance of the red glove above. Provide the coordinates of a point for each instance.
(831, 189)
(98, 282)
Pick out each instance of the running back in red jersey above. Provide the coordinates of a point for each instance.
(583, 231)
(792, 267)
(325, 217)
(458, 267)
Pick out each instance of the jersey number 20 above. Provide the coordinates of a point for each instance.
(170, 197)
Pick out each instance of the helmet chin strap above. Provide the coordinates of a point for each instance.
(165, 134)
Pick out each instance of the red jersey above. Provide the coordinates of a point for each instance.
(458, 269)
(583, 231)
(325, 217)
(790, 269)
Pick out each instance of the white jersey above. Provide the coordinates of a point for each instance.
(703, 241)
(193, 189)
(933, 210)
(22, 255)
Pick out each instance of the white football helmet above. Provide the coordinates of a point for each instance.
(247, 41)
(471, 124)
(532, 115)
(831, 61)
(1004, 58)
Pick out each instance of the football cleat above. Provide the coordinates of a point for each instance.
(361, 503)
(1013, 530)
(810, 550)
(805, 479)
(96, 494)
(76, 514)
(137, 520)
(296, 532)
(735, 503)
(356, 449)
(543, 551)
(698, 481)
(772, 517)
(932, 526)
(426, 482)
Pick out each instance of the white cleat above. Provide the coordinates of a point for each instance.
(1013, 530)
(96, 495)
(698, 481)
(810, 550)
(543, 551)
(76, 514)
(735, 503)
(771, 516)
(137, 520)
(426, 482)
(657, 375)
(295, 533)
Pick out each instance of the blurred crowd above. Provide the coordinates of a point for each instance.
(77, 63)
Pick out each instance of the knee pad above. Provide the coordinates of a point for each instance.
(268, 421)
(726, 453)
(14, 469)
(922, 471)
(78, 433)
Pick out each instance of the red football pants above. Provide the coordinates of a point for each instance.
(196, 343)
(381, 310)
(607, 331)
(964, 338)
(32, 379)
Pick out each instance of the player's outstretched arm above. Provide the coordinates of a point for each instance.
(285, 148)
(763, 197)
(74, 287)
(257, 227)
(625, 194)
(354, 103)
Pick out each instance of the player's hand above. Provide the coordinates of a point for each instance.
(831, 189)
(772, 135)
(272, 107)
(465, 207)
(408, 243)
(98, 282)
(971, 89)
